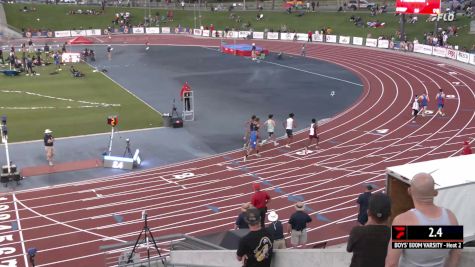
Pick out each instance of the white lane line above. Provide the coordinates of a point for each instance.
(313, 73)
(20, 230)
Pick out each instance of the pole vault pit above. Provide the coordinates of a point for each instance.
(243, 50)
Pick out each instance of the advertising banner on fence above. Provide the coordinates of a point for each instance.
(244, 34)
(39, 34)
(62, 33)
(317, 37)
(371, 42)
(330, 38)
(258, 35)
(138, 30)
(439, 51)
(418, 6)
(206, 33)
(344, 40)
(152, 30)
(78, 33)
(451, 54)
(272, 35)
(197, 32)
(383, 43)
(93, 32)
(463, 56)
(166, 30)
(233, 34)
(358, 40)
(71, 57)
(287, 36)
(472, 59)
(423, 49)
(302, 36)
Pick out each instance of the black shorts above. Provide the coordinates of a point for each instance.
(415, 112)
(289, 132)
(270, 134)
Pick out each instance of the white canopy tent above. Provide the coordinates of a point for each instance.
(455, 183)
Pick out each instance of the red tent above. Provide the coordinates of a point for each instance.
(80, 40)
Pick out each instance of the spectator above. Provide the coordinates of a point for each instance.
(369, 243)
(363, 202)
(240, 221)
(298, 226)
(260, 200)
(422, 192)
(255, 248)
(309, 34)
(313, 6)
(277, 230)
(467, 150)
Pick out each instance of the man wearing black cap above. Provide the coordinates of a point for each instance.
(369, 243)
(363, 200)
(255, 248)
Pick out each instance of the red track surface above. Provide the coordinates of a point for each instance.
(68, 223)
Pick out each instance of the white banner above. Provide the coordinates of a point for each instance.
(288, 36)
(62, 33)
(152, 30)
(439, 51)
(206, 33)
(451, 54)
(166, 30)
(78, 33)
(423, 49)
(197, 32)
(344, 40)
(317, 37)
(272, 35)
(330, 38)
(244, 34)
(138, 30)
(233, 34)
(463, 56)
(302, 36)
(71, 57)
(472, 59)
(371, 42)
(93, 32)
(258, 35)
(358, 40)
(383, 43)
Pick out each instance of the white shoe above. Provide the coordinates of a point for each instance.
(288, 146)
(51, 163)
(276, 144)
(258, 155)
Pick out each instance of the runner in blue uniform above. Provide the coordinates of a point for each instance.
(253, 140)
(424, 102)
(440, 97)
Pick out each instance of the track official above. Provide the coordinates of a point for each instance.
(185, 94)
(260, 200)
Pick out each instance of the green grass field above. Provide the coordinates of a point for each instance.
(68, 117)
(55, 17)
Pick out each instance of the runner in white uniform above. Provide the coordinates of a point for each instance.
(270, 123)
(415, 108)
(289, 125)
(312, 134)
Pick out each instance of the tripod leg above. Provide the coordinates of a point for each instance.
(135, 246)
(155, 245)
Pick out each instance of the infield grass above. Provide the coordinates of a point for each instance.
(55, 17)
(53, 101)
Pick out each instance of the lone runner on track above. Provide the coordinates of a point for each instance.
(312, 135)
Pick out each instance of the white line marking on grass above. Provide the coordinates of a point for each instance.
(20, 231)
(313, 73)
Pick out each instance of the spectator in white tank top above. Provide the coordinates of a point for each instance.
(422, 192)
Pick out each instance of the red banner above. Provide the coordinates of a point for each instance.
(418, 6)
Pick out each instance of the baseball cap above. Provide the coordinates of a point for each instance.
(256, 186)
(273, 216)
(380, 206)
(253, 216)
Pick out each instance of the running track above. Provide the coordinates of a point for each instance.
(68, 223)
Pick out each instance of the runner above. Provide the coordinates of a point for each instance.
(249, 126)
(253, 52)
(424, 99)
(312, 134)
(253, 140)
(303, 53)
(270, 123)
(109, 52)
(440, 97)
(415, 108)
(289, 125)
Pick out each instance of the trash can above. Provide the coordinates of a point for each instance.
(167, 120)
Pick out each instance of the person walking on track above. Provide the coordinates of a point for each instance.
(440, 97)
(312, 135)
(260, 200)
(424, 98)
(415, 108)
(289, 125)
(249, 127)
(270, 124)
(48, 142)
(253, 140)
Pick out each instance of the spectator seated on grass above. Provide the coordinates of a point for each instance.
(300, 13)
(413, 19)
(75, 72)
(375, 24)
(26, 9)
(260, 16)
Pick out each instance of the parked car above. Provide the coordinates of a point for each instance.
(363, 4)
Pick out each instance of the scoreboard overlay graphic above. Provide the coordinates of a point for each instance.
(418, 6)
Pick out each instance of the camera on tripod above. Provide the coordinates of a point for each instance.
(113, 120)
